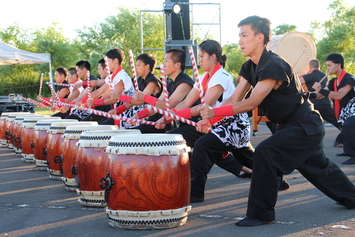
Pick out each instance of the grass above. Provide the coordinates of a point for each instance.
(43, 111)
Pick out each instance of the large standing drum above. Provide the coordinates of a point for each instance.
(27, 133)
(70, 150)
(297, 48)
(3, 126)
(40, 141)
(17, 140)
(55, 146)
(148, 181)
(90, 164)
(11, 127)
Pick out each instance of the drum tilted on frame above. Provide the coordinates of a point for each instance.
(296, 48)
(90, 164)
(70, 150)
(55, 146)
(148, 181)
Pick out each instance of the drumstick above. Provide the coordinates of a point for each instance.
(165, 90)
(107, 68)
(40, 84)
(34, 102)
(107, 115)
(166, 113)
(197, 77)
(89, 84)
(58, 84)
(131, 61)
(326, 75)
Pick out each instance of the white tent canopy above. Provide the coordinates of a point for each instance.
(10, 55)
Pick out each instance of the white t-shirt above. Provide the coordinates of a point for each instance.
(223, 78)
(122, 76)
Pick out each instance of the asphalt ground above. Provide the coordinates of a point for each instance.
(32, 204)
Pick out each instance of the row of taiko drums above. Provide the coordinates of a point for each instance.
(143, 180)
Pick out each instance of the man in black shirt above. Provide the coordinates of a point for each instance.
(298, 142)
(323, 105)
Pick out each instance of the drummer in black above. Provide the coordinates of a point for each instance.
(323, 105)
(297, 144)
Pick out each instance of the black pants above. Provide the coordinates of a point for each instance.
(207, 152)
(191, 135)
(327, 113)
(62, 115)
(349, 136)
(72, 116)
(295, 146)
(94, 117)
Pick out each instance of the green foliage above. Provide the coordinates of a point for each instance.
(123, 32)
(235, 58)
(338, 35)
(283, 29)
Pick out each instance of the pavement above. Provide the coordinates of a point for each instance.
(32, 204)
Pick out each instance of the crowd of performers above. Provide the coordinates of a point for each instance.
(220, 111)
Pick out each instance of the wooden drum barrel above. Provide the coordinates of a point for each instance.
(148, 181)
(90, 164)
(70, 150)
(3, 126)
(27, 134)
(55, 146)
(40, 141)
(17, 139)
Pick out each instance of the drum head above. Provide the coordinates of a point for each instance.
(297, 48)
(148, 144)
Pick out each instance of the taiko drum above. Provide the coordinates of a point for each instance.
(17, 139)
(70, 150)
(55, 146)
(3, 126)
(148, 181)
(90, 164)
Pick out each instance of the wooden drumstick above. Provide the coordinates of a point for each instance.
(326, 75)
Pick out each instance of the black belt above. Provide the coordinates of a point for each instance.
(299, 112)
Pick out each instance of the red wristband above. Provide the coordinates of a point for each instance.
(125, 98)
(224, 111)
(85, 84)
(99, 102)
(120, 109)
(143, 113)
(45, 101)
(216, 120)
(150, 99)
(83, 100)
(185, 113)
(62, 100)
(167, 121)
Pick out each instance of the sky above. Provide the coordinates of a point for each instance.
(72, 15)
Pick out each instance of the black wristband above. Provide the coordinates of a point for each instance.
(312, 95)
(324, 92)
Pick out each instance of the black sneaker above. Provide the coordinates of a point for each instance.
(194, 199)
(338, 144)
(284, 185)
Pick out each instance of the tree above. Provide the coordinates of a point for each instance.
(338, 34)
(24, 79)
(283, 29)
(123, 31)
(235, 58)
